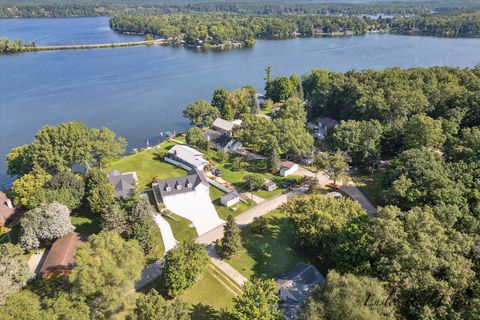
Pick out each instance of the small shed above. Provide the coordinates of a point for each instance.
(269, 185)
(287, 168)
(230, 199)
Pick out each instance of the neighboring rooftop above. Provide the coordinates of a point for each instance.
(123, 182)
(188, 155)
(229, 196)
(223, 124)
(8, 212)
(328, 122)
(61, 254)
(297, 283)
(288, 164)
(178, 185)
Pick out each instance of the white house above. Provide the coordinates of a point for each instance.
(269, 185)
(189, 197)
(230, 199)
(287, 168)
(186, 157)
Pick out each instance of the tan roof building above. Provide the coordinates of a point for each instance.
(8, 212)
(61, 256)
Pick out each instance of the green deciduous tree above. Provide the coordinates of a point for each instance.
(254, 181)
(423, 131)
(183, 266)
(349, 297)
(361, 139)
(280, 89)
(318, 219)
(106, 268)
(44, 224)
(231, 241)
(13, 270)
(28, 184)
(196, 138)
(259, 301)
(153, 306)
(19, 160)
(337, 167)
(62, 196)
(105, 146)
(201, 113)
(66, 307)
(23, 305)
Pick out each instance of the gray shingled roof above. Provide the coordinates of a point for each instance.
(178, 185)
(122, 182)
(229, 196)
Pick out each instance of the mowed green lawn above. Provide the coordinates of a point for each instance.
(224, 212)
(270, 254)
(148, 165)
(236, 176)
(214, 292)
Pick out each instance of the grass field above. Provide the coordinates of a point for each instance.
(181, 228)
(214, 292)
(85, 223)
(148, 165)
(270, 254)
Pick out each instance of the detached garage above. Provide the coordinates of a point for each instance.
(230, 199)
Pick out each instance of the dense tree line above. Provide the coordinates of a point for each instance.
(215, 29)
(51, 8)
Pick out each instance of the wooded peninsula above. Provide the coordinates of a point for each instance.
(233, 30)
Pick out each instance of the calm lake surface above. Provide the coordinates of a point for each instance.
(140, 92)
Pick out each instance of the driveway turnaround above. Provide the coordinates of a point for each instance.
(166, 231)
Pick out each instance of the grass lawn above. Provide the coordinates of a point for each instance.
(148, 165)
(270, 254)
(369, 184)
(214, 290)
(181, 228)
(237, 177)
(224, 212)
(85, 222)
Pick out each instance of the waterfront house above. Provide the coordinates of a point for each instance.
(61, 256)
(221, 141)
(287, 168)
(122, 182)
(186, 157)
(230, 199)
(189, 197)
(224, 126)
(269, 185)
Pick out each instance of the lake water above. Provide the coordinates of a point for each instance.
(140, 92)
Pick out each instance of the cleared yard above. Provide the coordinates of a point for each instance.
(270, 254)
(148, 165)
(214, 290)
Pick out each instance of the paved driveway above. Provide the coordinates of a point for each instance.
(166, 231)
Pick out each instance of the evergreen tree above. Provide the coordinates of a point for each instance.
(231, 241)
(274, 162)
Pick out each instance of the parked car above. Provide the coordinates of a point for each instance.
(288, 183)
(217, 173)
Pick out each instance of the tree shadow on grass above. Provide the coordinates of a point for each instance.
(275, 251)
(204, 312)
